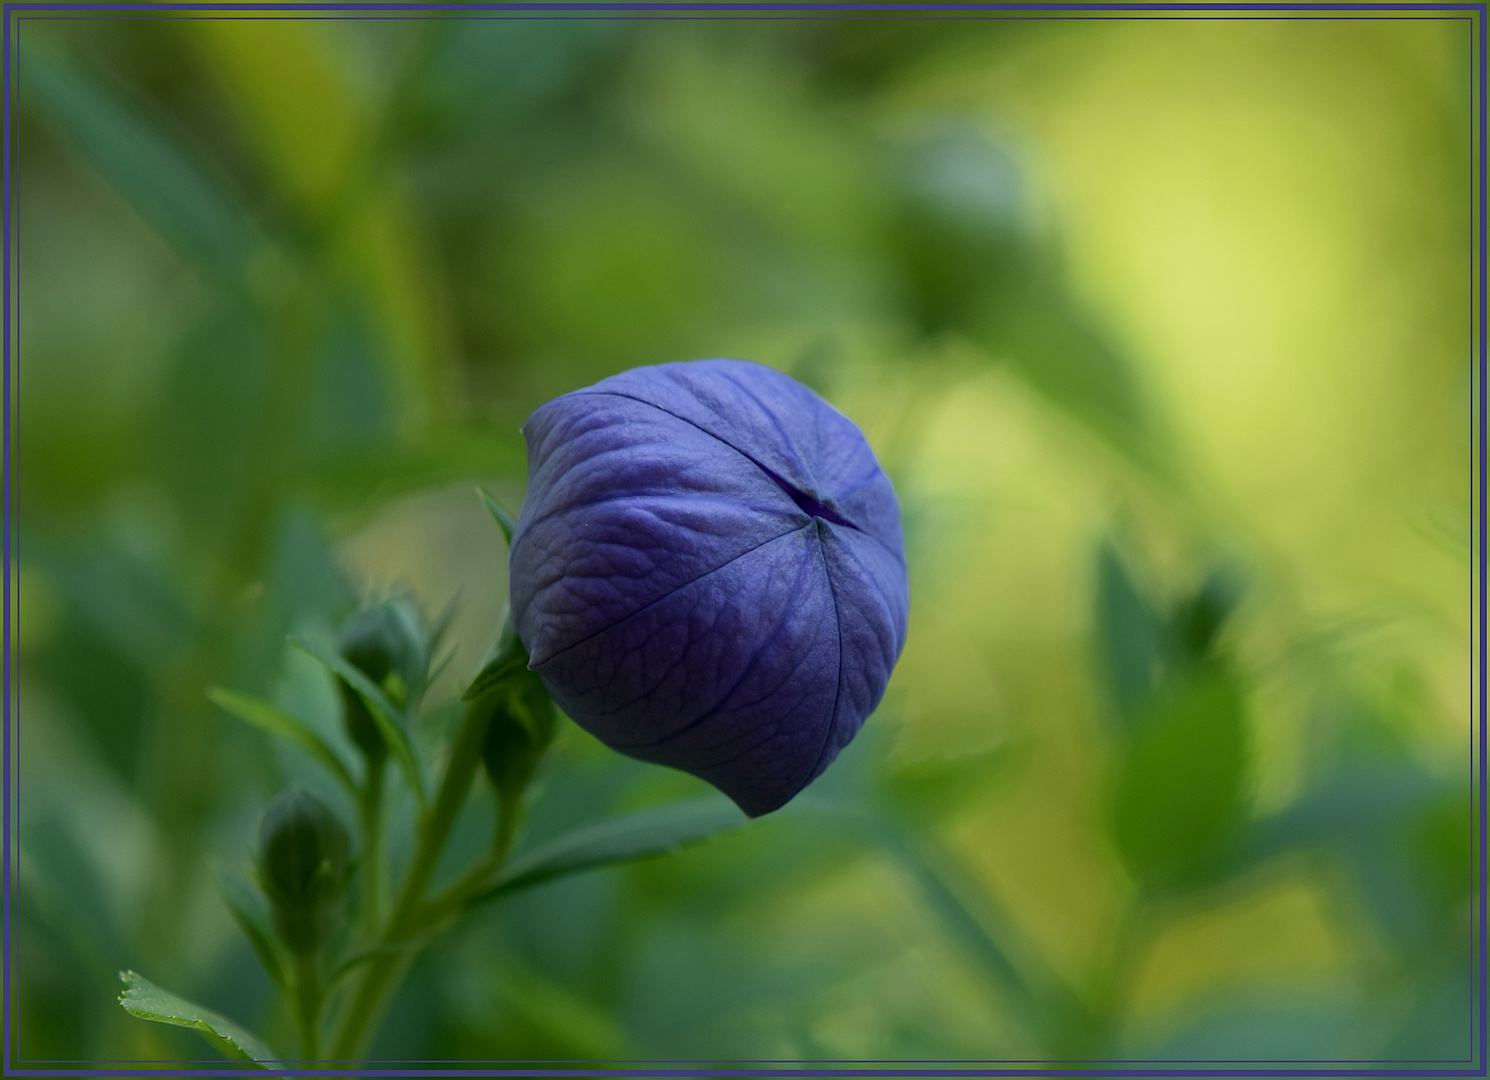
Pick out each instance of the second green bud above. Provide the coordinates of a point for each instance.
(304, 859)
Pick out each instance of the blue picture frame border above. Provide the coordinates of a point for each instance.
(1476, 12)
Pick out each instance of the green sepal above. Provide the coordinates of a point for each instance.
(504, 520)
(510, 657)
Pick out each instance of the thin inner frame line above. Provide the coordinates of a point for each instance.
(455, 16)
(803, 1073)
(824, 10)
(650, 13)
(775, 1061)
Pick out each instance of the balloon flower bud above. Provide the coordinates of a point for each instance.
(518, 732)
(708, 572)
(303, 864)
(383, 643)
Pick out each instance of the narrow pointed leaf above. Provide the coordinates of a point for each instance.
(1132, 640)
(504, 520)
(636, 836)
(269, 718)
(144, 999)
(251, 918)
(383, 712)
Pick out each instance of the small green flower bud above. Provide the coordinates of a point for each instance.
(384, 643)
(303, 866)
(518, 733)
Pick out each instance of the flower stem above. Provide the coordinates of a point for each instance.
(372, 847)
(382, 974)
(308, 1003)
(447, 904)
(511, 809)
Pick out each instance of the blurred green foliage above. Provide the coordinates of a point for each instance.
(1161, 328)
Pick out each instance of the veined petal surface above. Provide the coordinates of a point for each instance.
(709, 572)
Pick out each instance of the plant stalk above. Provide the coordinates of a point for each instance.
(308, 1003)
(448, 903)
(372, 847)
(375, 988)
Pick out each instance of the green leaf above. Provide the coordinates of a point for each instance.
(253, 920)
(383, 712)
(144, 999)
(266, 717)
(162, 180)
(504, 520)
(1132, 639)
(1179, 794)
(636, 836)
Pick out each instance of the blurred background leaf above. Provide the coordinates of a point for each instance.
(166, 183)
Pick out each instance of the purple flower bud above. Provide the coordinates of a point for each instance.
(708, 572)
